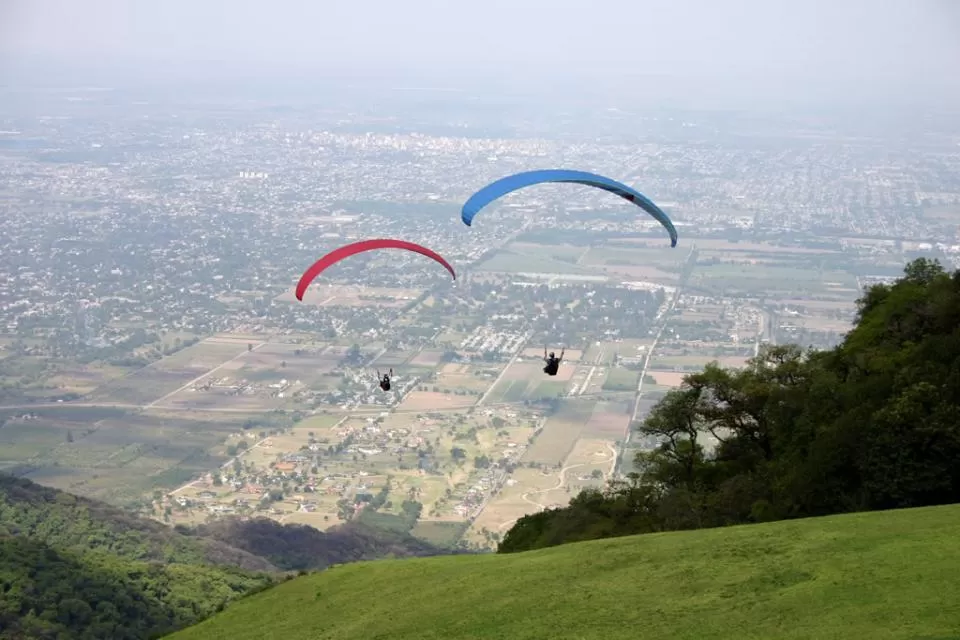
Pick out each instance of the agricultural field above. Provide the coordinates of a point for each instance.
(670, 379)
(319, 294)
(642, 262)
(509, 261)
(110, 455)
(560, 433)
(171, 373)
(662, 361)
(788, 278)
(609, 420)
(574, 450)
(83, 379)
(526, 381)
(621, 379)
(562, 252)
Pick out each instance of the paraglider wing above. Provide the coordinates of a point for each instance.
(358, 247)
(503, 186)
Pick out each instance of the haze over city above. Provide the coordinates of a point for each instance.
(739, 52)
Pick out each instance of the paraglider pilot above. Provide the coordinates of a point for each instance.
(385, 379)
(553, 362)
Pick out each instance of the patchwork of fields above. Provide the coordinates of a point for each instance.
(216, 426)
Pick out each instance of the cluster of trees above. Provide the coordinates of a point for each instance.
(873, 423)
(57, 593)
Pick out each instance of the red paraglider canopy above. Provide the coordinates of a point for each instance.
(357, 247)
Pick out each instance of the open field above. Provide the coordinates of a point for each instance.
(653, 264)
(84, 379)
(562, 252)
(587, 467)
(512, 262)
(427, 358)
(116, 458)
(463, 377)
(666, 378)
(609, 420)
(426, 400)
(644, 274)
(527, 381)
(943, 213)
(258, 380)
(392, 359)
(621, 379)
(818, 305)
(442, 534)
(791, 580)
(514, 500)
(319, 294)
(719, 244)
(692, 362)
(560, 433)
(170, 373)
(727, 278)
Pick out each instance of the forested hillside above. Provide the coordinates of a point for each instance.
(871, 424)
(302, 547)
(71, 567)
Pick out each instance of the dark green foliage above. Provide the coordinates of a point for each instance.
(871, 424)
(296, 547)
(71, 567)
(69, 522)
(57, 594)
(77, 568)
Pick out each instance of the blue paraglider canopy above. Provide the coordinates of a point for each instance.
(503, 186)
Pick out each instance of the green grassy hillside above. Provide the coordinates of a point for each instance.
(893, 574)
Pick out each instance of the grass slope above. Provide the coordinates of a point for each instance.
(876, 575)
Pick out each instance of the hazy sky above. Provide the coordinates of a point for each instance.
(761, 46)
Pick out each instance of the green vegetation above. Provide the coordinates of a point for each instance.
(870, 424)
(76, 568)
(71, 567)
(621, 380)
(51, 593)
(509, 261)
(68, 522)
(301, 547)
(875, 575)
